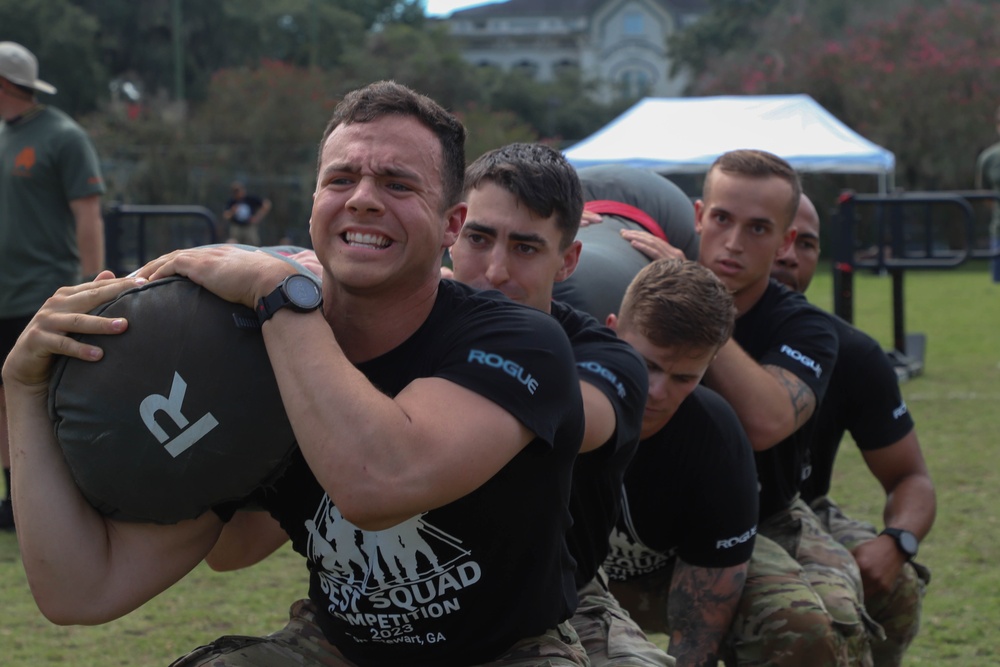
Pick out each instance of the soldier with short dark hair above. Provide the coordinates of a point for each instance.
(437, 430)
(864, 399)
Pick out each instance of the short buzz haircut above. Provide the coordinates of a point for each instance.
(539, 177)
(752, 163)
(678, 303)
(388, 98)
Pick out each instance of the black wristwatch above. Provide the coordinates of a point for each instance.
(906, 541)
(298, 292)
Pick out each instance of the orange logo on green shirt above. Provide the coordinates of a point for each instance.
(24, 161)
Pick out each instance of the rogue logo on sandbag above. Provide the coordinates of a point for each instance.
(171, 406)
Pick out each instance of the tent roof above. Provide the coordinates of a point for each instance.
(685, 135)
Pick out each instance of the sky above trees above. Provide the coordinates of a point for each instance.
(445, 7)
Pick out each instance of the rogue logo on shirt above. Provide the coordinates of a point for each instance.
(900, 411)
(731, 542)
(511, 368)
(802, 359)
(603, 372)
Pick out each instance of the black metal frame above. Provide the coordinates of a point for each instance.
(115, 217)
(908, 349)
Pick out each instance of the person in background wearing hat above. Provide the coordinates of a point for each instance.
(51, 229)
(429, 540)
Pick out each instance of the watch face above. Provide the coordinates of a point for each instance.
(908, 542)
(302, 292)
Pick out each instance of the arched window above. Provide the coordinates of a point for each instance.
(565, 66)
(526, 67)
(632, 24)
(634, 83)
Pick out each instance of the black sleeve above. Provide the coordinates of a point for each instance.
(876, 414)
(721, 487)
(805, 344)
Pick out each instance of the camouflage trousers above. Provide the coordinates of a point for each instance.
(802, 603)
(897, 611)
(610, 636)
(301, 643)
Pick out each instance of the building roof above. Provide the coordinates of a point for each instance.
(512, 8)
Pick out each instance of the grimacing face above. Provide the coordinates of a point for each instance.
(378, 221)
(506, 246)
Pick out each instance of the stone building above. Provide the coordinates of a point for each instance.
(621, 45)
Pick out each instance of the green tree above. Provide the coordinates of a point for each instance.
(924, 84)
(259, 124)
(562, 110)
(64, 39)
(919, 80)
(726, 26)
(423, 59)
(137, 40)
(382, 12)
(300, 32)
(274, 109)
(490, 129)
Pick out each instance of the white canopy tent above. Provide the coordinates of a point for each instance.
(685, 135)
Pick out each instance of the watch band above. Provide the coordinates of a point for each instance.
(906, 542)
(268, 305)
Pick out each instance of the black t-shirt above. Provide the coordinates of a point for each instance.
(691, 492)
(616, 369)
(784, 330)
(459, 584)
(863, 398)
(245, 208)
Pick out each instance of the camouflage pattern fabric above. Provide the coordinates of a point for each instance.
(645, 597)
(609, 635)
(801, 604)
(301, 643)
(898, 611)
(556, 648)
(781, 619)
(832, 572)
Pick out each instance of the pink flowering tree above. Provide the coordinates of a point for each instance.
(923, 83)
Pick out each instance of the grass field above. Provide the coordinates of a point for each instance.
(956, 404)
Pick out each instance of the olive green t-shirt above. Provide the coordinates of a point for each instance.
(46, 161)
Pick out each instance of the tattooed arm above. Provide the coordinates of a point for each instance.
(700, 609)
(771, 402)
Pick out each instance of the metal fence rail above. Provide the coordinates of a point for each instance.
(136, 233)
(894, 233)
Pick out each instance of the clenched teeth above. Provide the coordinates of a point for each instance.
(369, 240)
